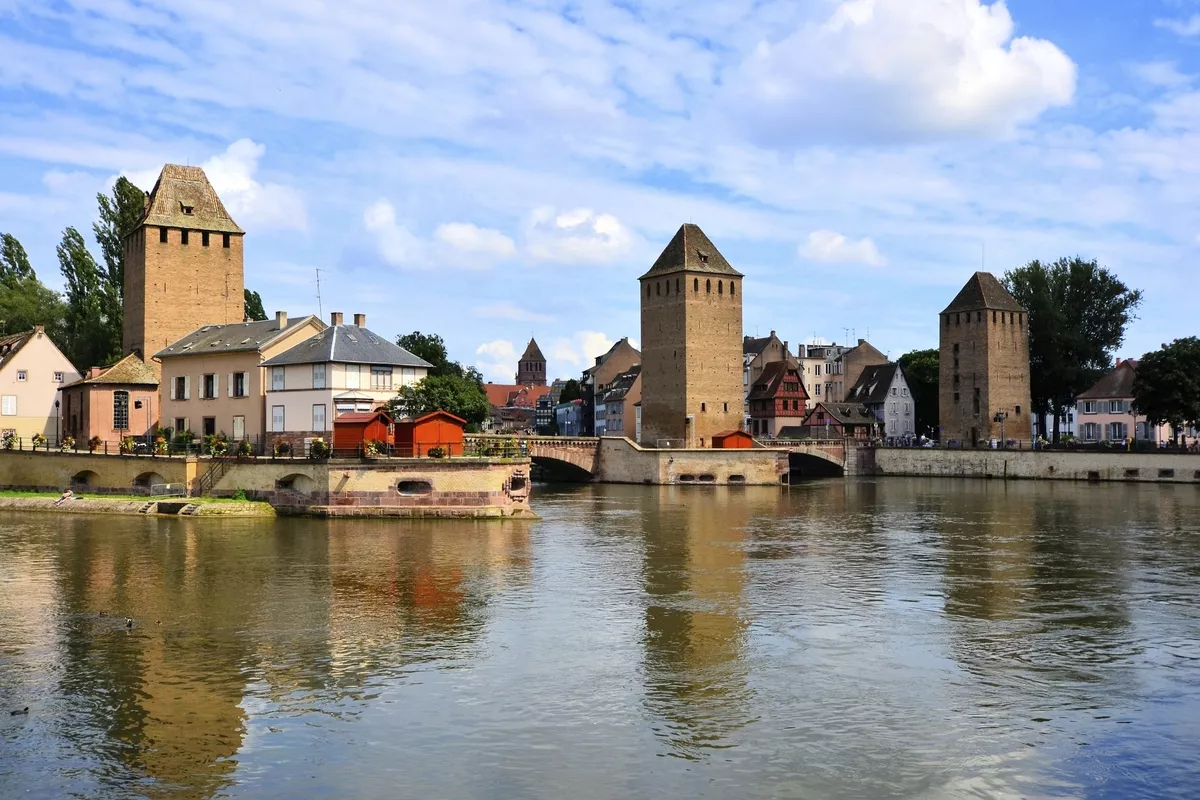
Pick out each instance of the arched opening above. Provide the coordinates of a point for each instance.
(696, 285)
(298, 483)
(738, 479)
(686, 478)
(145, 483)
(647, 289)
(657, 288)
(708, 287)
(720, 287)
(414, 488)
(706, 478)
(84, 480)
(677, 286)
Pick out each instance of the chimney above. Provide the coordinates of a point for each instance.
(39, 329)
(772, 334)
(335, 318)
(281, 319)
(862, 341)
(360, 320)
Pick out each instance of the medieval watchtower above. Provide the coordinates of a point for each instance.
(531, 369)
(984, 368)
(183, 263)
(691, 344)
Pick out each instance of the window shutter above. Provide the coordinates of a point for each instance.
(173, 397)
(216, 385)
(246, 384)
(187, 387)
(231, 384)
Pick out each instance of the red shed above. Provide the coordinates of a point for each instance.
(732, 440)
(416, 437)
(351, 430)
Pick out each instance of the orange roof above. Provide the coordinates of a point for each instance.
(440, 413)
(363, 416)
(514, 394)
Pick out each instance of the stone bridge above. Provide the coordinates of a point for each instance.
(570, 456)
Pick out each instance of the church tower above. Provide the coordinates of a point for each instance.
(183, 264)
(984, 365)
(531, 369)
(691, 344)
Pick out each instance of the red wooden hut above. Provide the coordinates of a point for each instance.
(351, 430)
(730, 440)
(416, 437)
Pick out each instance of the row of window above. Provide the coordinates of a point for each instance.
(164, 237)
(237, 385)
(664, 287)
(23, 376)
(767, 405)
(1092, 431)
(894, 408)
(704, 407)
(1104, 406)
(380, 379)
(1005, 318)
(894, 427)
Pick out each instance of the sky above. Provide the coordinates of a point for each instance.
(494, 170)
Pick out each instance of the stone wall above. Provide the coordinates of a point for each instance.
(993, 360)
(622, 461)
(113, 474)
(1046, 465)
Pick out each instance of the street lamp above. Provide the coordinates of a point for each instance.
(1000, 417)
(57, 424)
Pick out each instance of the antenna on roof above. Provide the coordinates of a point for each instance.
(320, 310)
(982, 255)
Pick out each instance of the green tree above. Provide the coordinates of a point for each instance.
(432, 348)
(254, 306)
(118, 215)
(90, 337)
(1167, 387)
(1078, 313)
(461, 395)
(570, 391)
(14, 262)
(920, 369)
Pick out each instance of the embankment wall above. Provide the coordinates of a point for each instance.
(1044, 465)
(622, 461)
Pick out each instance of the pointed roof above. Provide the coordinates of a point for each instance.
(983, 291)
(874, 384)
(235, 337)
(182, 197)
(347, 344)
(771, 379)
(129, 371)
(692, 251)
(1116, 384)
(532, 352)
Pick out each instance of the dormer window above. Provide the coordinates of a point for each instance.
(703, 256)
(186, 209)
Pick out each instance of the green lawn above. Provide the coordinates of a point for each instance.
(130, 497)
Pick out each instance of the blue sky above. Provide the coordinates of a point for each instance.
(492, 170)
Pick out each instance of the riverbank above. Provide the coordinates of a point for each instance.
(134, 506)
(1061, 465)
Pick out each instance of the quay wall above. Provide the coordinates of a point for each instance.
(622, 461)
(1039, 464)
(106, 474)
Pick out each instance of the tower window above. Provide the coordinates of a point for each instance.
(979, 316)
(720, 287)
(657, 288)
(186, 209)
(947, 320)
(183, 236)
(956, 348)
(732, 290)
(1010, 317)
(647, 290)
(1018, 411)
(225, 240)
(677, 286)
(703, 407)
(958, 319)
(708, 287)
(993, 317)
(726, 405)
(204, 239)
(695, 284)
(162, 235)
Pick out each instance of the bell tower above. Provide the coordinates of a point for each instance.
(183, 264)
(691, 344)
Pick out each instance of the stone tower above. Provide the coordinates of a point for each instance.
(984, 369)
(531, 369)
(691, 344)
(183, 264)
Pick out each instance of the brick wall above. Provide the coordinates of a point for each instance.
(993, 361)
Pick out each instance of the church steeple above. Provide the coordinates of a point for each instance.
(531, 369)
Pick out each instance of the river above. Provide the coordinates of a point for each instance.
(891, 638)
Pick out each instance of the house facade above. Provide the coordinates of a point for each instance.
(883, 389)
(569, 416)
(757, 353)
(816, 366)
(777, 399)
(1104, 413)
(621, 357)
(213, 380)
(110, 403)
(341, 369)
(32, 372)
(840, 420)
(618, 404)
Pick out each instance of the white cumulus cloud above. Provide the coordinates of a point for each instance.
(1183, 27)
(454, 244)
(497, 360)
(580, 350)
(396, 244)
(254, 204)
(576, 236)
(510, 311)
(900, 69)
(472, 239)
(832, 247)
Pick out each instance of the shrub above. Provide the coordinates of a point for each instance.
(160, 445)
(437, 452)
(244, 448)
(283, 447)
(240, 494)
(39, 440)
(67, 443)
(94, 444)
(127, 444)
(10, 440)
(318, 449)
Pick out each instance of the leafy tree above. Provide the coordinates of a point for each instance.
(1078, 313)
(14, 263)
(461, 395)
(1167, 387)
(254, 306)
(90, 337)
(432, 348)
(920, 369)
(570, 391)
(118, 215)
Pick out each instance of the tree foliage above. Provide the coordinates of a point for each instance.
(920, 369)
(118, 214)
(1167, 387)
(461, 395)
(91, 336)
(570, 392)
(253, 306)
(1078, 313)
(14, 262)
(24, 300)
(432, 348)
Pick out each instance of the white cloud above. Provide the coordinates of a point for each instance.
(497, 360)
(900, 69)
(510, 311)
(395, 243)
(1160, 73)
(1183, 27)
(832, 247)
(472, 239)
(581, 349)
(579, 236)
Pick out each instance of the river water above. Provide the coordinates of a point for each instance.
(898, 638)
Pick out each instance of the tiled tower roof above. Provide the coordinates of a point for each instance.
(692, 251)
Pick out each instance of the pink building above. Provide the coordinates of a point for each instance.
(1105, 412)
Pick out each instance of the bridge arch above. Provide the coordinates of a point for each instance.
(817, 459)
